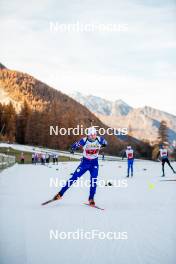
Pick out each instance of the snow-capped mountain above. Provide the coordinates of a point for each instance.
(143, 122)
(102, 106)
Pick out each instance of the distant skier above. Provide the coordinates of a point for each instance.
(47, 158)
(40, 157)
(91, 146)
(163, 153)
(33, 157)
(129, 153)
(36, 158)
(71, 151)
(43, 159)
(56, 158)
(22, 158)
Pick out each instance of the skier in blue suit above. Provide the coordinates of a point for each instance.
(129, 153)
(91, 146)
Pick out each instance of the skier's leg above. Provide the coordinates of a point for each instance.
(163, 162)
(77, 174)
(132, 161)
(93, 180)
(128, 169)
(168, 162)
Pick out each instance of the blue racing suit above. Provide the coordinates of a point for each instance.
(89, 163)
(130, 158)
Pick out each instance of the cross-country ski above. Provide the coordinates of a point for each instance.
(94, 206)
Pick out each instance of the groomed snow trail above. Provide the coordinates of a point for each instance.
(145, 210)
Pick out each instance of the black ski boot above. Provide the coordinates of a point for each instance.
(91, 202)
(57, 197)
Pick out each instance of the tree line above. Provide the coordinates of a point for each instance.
(39, 106)
(30, 126)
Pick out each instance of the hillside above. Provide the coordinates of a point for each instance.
(38, 106)
(143, 123)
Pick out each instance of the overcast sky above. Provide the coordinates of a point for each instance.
(137, 65)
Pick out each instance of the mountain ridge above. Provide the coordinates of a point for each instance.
(143, 121)
(102, 106)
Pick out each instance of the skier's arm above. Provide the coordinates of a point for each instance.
(103, 142)
(78, 144)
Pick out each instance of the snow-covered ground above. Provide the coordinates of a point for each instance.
(145, 211)
(33, 149)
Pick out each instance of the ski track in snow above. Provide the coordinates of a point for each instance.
(146, 214)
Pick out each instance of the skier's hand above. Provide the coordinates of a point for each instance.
(75, 146)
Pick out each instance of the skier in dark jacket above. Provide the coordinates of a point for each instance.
(163, 153)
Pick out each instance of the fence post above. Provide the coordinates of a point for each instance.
(6, 160)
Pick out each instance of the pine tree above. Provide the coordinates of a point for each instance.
(33, 130)
(10, 122)
(7, 122)
(22, 123)
(2, 121)
(163, 133)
